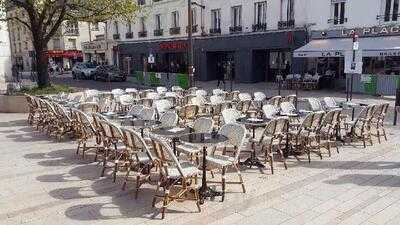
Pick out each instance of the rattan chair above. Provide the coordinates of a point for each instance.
(377, 121)
(271, 140)
(169, 119)
(87, 134)
(269, 111)
(230, 115)
(236, 135)
(275, 101)
(89, 107)
(140, 159)
(178, 180)
(361, 127)
(330, 129)
(188, 113)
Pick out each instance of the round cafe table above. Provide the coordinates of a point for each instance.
(253, 123)
(172, 133)
(205, 140)
(141, 124)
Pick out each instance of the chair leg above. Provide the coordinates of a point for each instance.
(384, 133)
(104, 164)
(271, 161)
(126, 177)
(223, 183)
(165, 203)
(115, 171)
(283, 158)
(137, 186)
(240, 178)
(77, 149)
(153, 204)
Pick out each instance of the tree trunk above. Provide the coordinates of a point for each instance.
(41, 61)
(42, 71)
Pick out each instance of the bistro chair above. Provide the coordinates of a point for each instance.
(200, 125)
(87, 133)
(201, 92)
(259, 99)
(236, 135)
(275, 101)
(271, 140)
(330, 103)
(89, 107)
(135, 110)
(148, 102)
(177, 180)
(153, 95)
(360, 128)
(270, 111)
(218, 92)
(303, 137)
(231, 115)
(377, 121)
(33, 109)
(232, 96)
(126, 101)
(244, 106)
(315, 104)
(244, 97)
(290, 98)
(147, 113)
(330, 129)
(161, 90)
(169, 119)
(188, 113)
(140, 159)
(162, 106)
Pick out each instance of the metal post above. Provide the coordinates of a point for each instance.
(351, 87)
(190, 41)
(396, 105)
(347, 88)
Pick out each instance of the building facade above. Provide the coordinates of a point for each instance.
(5, 57)
(63, 50)
(255, 38)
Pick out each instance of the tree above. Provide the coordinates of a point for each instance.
(44, 19)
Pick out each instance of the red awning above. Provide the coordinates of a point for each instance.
(64, 53)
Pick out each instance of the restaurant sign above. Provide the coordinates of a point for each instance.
(174, 46)
(93, 46)
(376, 31)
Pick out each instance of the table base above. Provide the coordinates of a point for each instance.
(253, 161)
(208, 192)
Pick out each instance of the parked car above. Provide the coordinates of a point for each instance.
(83, 71)
(109, 73)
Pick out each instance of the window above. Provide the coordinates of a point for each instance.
(236, 19)
(56, 44)
(260, 12)
(391, 10)
(158, 22)
(128, 27)
(289, 10)
(194, 16)
(142, 24)
(116, 27)
(338, 8)
(95, 26)
(216, 19)
(175, 19)
(72, 43)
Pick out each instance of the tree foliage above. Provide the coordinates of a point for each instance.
(44, 18)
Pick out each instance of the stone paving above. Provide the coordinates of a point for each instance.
(42, 181)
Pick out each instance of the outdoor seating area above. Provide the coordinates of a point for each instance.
(183, 143)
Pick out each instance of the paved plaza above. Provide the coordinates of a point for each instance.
(42, 181)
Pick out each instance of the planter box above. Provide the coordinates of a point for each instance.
(13, 104)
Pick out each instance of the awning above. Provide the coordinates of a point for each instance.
(336, 47)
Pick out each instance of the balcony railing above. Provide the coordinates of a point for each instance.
(235, 29)
(71, 31)
(259, 27)
(194, 29)
(174, 30)
(215, 31)
(159, 32)
(285, 24)
(388, 17)
(142, 34)
(129, 35)
(116, 36)
(337, 21)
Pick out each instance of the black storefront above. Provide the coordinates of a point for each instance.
(252, 57)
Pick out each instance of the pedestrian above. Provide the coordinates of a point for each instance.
(220, 74)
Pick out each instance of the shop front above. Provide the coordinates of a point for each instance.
(64, 58)
(94, 51)
(250, 57)
(378, 46)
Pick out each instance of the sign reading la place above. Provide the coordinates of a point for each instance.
(372, 31)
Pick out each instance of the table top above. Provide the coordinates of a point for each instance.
(204, 139)
(139, 123)
(116, 115)
(171, 131)
(251, 121)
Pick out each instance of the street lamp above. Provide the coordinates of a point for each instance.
(191, 68)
